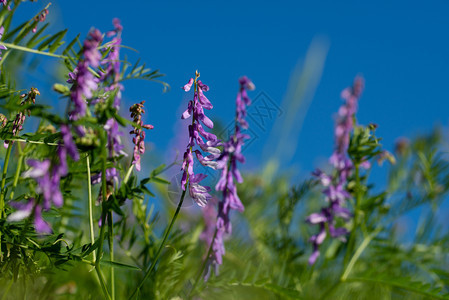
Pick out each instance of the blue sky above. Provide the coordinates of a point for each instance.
(400, 48)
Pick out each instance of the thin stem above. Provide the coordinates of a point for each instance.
(103, 219)
(17, 174)
(352, 237)
(32, 142)
(91, 218)
(102, 283)
(111, 252)
(5, 170)
(158, 253)
(128, 174)
(100, 246)
(26, 49)
(203, 267)
(357, 253)
(2, 192)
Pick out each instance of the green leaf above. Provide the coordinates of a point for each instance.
(160, 180)
(115, 264)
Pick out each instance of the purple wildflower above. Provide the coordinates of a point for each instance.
(209, 216)
(111, 175)
(2, 47)
(47, 181)
(114, 143)
(335, 186)
(115, 149)
(195, 108)
(47, 174)
(26, 210)
(227, 162)
(68, 142)
(82, 79)
(5, 4)
(139, 139)
(112, 62)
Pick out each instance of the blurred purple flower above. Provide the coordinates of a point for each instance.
(47, 174)
(2, 47)
(68, 142)
(84, 82)
(114, 143)
(24, 211)
(47, 181)
(111, 175)
(112, 62)
(227, 162)
(5, 4)
(335, 186)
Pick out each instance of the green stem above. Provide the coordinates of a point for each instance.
(103, 219)
(102, 283)
(5, 170)
(352, 237)
(158, 253)
(17, 174)
(359, 251)
(31, 142)
(91, 218)
(111, 252)
(2, 192)
(203, 267)
(30, 50)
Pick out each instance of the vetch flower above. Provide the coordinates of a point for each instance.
(31, 208)
(84, 82)
(111, 175)
(114, 143)
(68, 142)
(5, 4)
(206, 141)
(230, 174)
(112, 62)
(48, 174)
(335, 185)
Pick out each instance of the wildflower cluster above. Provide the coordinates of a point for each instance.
(109, 77)
(5, 4)
(49, 221)
(112, 63)
(335, 185)
(227, 162)
(196, 134)
(47, 174)
(84, 82)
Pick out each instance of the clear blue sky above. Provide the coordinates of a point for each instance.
(400, 47)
